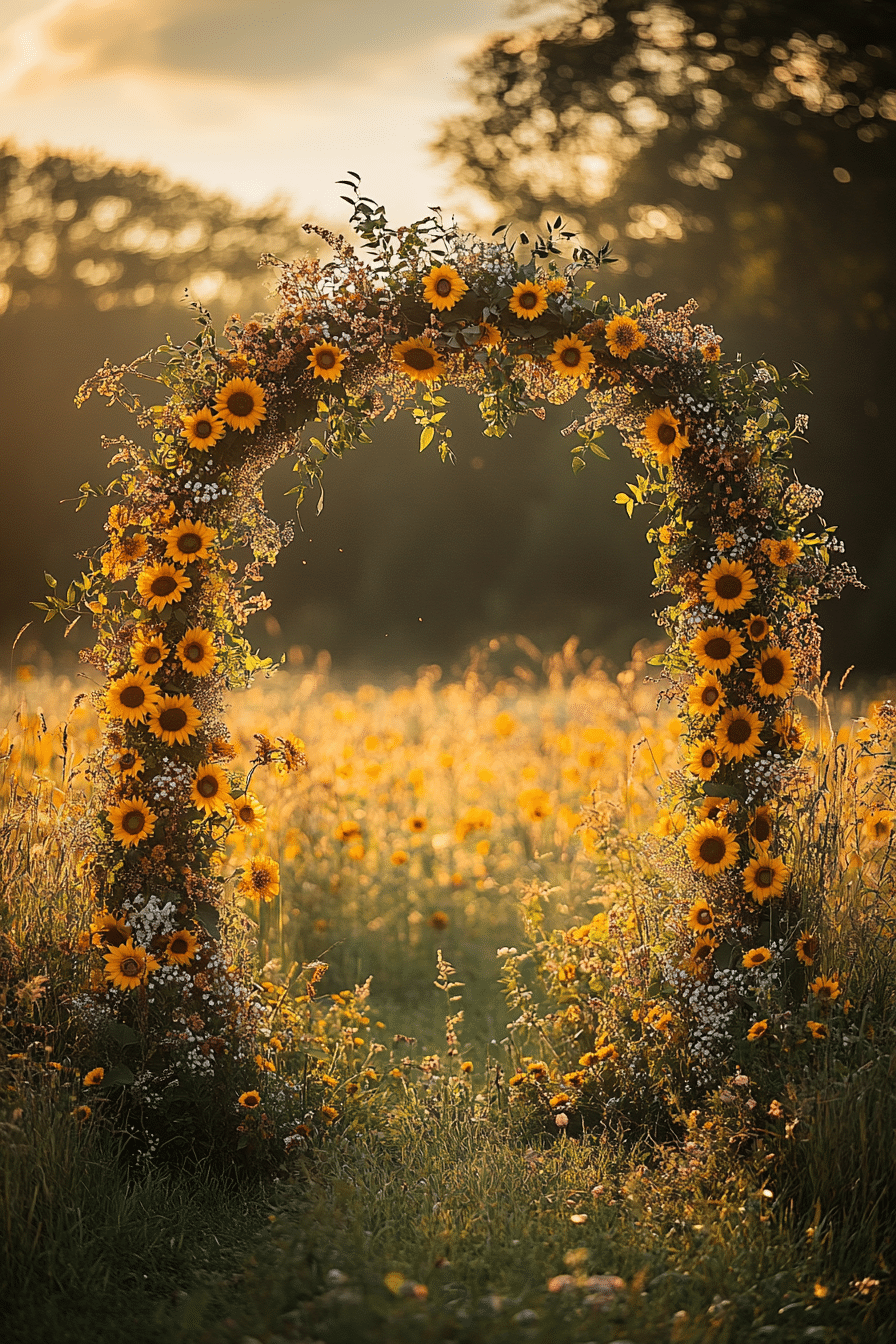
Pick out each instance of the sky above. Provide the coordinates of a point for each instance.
(258, 98)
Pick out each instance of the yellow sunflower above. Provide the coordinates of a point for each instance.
(765, 877)
(716, 809)
(187, 541)
(826, 988)
(707, 695)
(94, 1077)
(489, 335)
(248, 813)
(131, 697)
(700, 962)
(760, 826)
(250, 1100)
(782, 553)
(326, 361)
(624, 336)
(128, 764)
(773, 674)
(443, 287)
(663, 433)
(757, 629)
(729, 585)
(203, 429)
(175, 719)
(132, 821)
(739, 733)
(149, 653)
(703, 760)
(572, 358)
(162, 584)
(196, 651)
(210, 792)
(555, 284)
(877, 826)
(790, 731)
(757, 956)
(109, 930)
(711, 352)
(181, 948)
(807, 948)
(818, 1030)
(241, 404)
(418, 359)
(700, 916)
(528, 300)
(757, 1030)
(129, 966)
(717, 648)
(711, 848)
(261, 880)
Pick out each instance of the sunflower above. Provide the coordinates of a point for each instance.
(760, 826)
(624, 336)
(248, 813)
(129, 966)
(326, 361)
(528, 300)
(706, 696)
(128, 764)
(757, 956)
(663, 433)
(572, 358)
(739, 733)
(261, 880)
(717, 648)
(729, 585)
(132, 821)
(700, 916)
(700, 962)
(877, 825)
(757, 629)
(417, 822)
(210, 792)
(782, 553)
(175, 719)
(715, 809)
(790, 731)
(159, 585)
(758, 1029)
(704, 760)
(818, 1030)
(418, 359)
(765, 877)
(187, 541)
(196, 651)
(250, 1100)
(202, 429)
(181, 948)
(711, 848)
(109, 930)
(826, 988)
(131, 697)
(711, 352)
(489, 335)
(443, 287)
(149, 653)
(773, 674)
(807, 948)
(94, 1077)
(241, 404)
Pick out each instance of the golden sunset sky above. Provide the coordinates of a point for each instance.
(253, 97)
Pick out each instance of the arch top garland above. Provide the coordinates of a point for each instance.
(431, 306)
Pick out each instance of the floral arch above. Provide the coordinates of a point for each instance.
(169, 599)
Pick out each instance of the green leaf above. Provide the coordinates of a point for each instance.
(122, 1033)
(578, 464)
(206, 915)
(50, 580)
(119, 1076)
(426, 437)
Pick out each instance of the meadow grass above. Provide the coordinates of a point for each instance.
(437, 1209)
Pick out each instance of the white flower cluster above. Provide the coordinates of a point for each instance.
(205, 492)
(172, 781)
(149, 919)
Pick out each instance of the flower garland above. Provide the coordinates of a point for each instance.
(430, 306)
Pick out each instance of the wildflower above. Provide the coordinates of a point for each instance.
(760, 826)
(489, 335)
(757, 628)
(109, 930)
(329, 1113)
(536, 803)
(474, 819)
(773, 674)
(181, 948)
(174, 719)
(878, 825)
(417, 823)
(717, 648)
(129, 966)
(700, 961)
(758, 1029)
(131, 697)
(729, 585)
(94, 1077)
(782, 553)
(528, 300)
(700, 916)
(149, 653)
(703, 760)
(202, 429)
(161, 585)
(818, 1030)
(807, 948)
(825, 988)
(706, 696)
(555, 284)
(241, 404)
(132, 821)
(399, 857)
(711, 352)
(624, 336)
(711, 848)
(739, 733)
(757, 956)
(443, 287)
(504, 724)
(196, 651)
(765, 877)
(571, 358)
(250, 1100)
(326, 361)
(261, 880)
(418, 359)
(790, 731)
(248, 813)
(438, 920)
(82, 1113)
(187, 541)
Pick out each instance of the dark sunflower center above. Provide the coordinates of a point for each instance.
(529, 299)
(703, 951)
(251, 1101)
(202, 429)
(179, 946)
(718, 648)
(172, 720)
(571, 357)
(152, 654)
(130, 967)
(127, 761)
(772, 671)
(326, 359)
(739, 730)
(708, 759)
(194, 653)
(729, 586)
(624, 335)
(704, 916)
(667, 434)
(420, 359)
(208, 786)
(133, 822)
(709, 695)
(443, 287)
(132, 697)
(757, 629)
(163, 585)
(240, 404)
(247, 815)
(823, 992)
(712, 849)
(189, 542)
(810, 947)
(761, 829)
(260, 879)
(764, 877)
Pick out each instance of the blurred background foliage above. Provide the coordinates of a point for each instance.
(743, 154)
